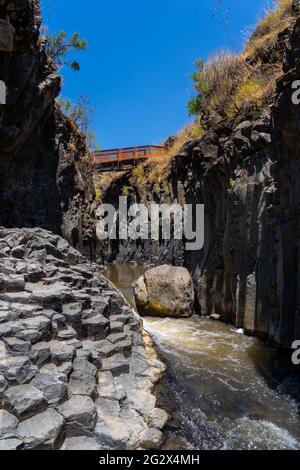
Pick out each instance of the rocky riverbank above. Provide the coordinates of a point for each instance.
(76, 369)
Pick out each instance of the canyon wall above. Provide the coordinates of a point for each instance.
(247, 174)
(45, 174)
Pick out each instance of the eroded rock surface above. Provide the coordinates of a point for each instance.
(75, 371)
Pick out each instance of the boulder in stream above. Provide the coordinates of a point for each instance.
(165, 291)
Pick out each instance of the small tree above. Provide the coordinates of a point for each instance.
(81, 114)
(58, 47)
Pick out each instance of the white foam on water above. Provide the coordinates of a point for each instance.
(245, 433)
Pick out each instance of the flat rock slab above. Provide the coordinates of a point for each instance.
(96, 326)
(158, 418)
(141, 401)
(58, 372)
(107, 407)
(116, 327)
(61, 352)
(41, 428)
(11, 444)
(53, 389)
(108, 389)
(106, 348)
(53, 295)
(117, 337)
(24, 400)
(17, 370)
(151, 439)
(40, 353)
(112, 432)
(81, 443)
(79, 413)
(116, 364)
(17, 347)
(8, 423)
(73, 313)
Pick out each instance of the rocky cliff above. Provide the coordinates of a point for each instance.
(45, 176)
(246, 171)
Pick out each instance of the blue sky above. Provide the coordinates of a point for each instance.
(136, 71)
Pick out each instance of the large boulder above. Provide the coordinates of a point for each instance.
(165, 291)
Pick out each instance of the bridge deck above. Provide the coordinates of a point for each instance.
(119, 158)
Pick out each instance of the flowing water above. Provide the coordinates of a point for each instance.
(225, 390)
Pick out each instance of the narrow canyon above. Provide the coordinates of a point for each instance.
(83, 364)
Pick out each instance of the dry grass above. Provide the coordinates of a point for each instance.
(103, 180)
(228, 84)
(220, 76)
(156, 169)
(256, 90)
(276, 19)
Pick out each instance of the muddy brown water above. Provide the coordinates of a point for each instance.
(227, 391)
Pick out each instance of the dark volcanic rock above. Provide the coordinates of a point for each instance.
(45, 363)
(45, 171)
(247, 174)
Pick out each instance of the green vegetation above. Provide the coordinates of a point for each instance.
(229, 83)
(81, 115)
(99, 194)
(125, 191)
(214, 82)
(59, 46)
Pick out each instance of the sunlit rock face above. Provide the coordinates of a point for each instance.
(45, 175)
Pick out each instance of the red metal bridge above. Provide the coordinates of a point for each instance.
(115, 159)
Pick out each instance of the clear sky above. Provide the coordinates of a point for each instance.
(136, 71)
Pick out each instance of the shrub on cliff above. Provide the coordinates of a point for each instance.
(229, 83)
(80, 114)
(215, 82)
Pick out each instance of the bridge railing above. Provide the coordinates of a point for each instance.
(121, 156)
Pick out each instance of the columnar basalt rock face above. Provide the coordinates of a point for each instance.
(75, 370)
(246, 172)
(248, 179)
(45, 175)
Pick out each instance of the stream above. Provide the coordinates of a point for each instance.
(225, 390)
